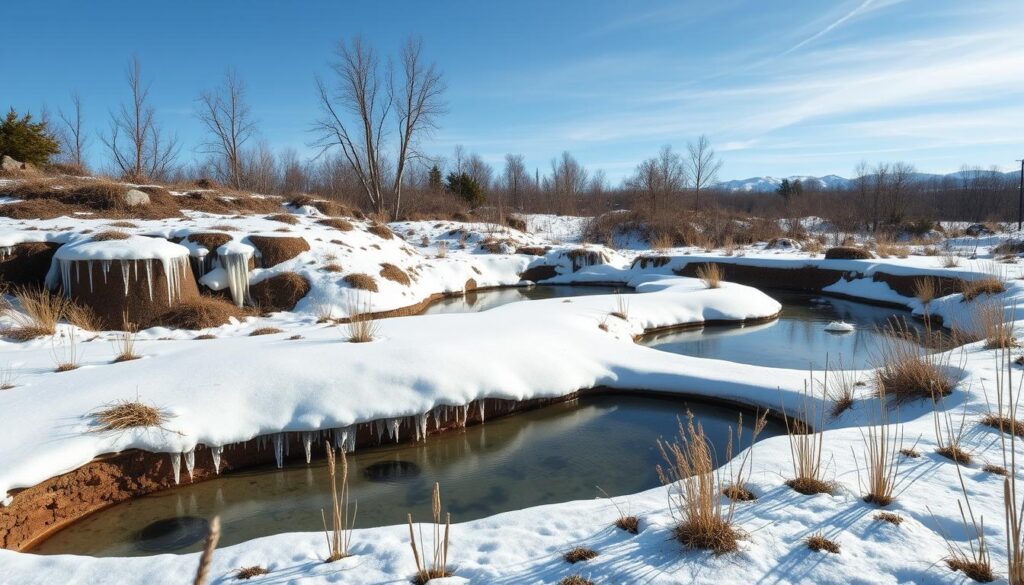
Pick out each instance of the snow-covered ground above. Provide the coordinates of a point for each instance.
(518, 351)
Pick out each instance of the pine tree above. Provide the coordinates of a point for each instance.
(25, 140)
(785, 190)
(434, 180)
(465, 186)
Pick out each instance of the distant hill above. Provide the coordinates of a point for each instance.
(771, 184)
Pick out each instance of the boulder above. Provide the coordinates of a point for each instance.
(9, 165)
(134, 198)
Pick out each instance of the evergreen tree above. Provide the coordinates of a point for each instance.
(785, 190)
(465, 186)
(25, 140)
(434, 180)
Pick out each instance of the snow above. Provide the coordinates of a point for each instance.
(522, 350)
(840, 327)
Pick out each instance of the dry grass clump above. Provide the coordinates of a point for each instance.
(909, 372)
(882, 445)
(362, 326)
(337, 223)
(839, 387)
(739, 494)
(949, 437)
(909, 452)
(806, 448)
(991, 324)
(988, 285)
(925, 290)
(124, 344)
(630, 524)
(576, 580)
(1004, 424)
(702, 521)
(996, 469)
(42, 310)
(284, 218)
(532, 250)
(361, 281)
(7, 378)
(381, 231)
(108, 235)
(847, 253)
(437, 566)
(817, 542)
(246, 573)
(126, 414)
(890, 517)
(980, 572)
(579, 553)
(81, 316)
(710, 275)
(394, 273)
(65, 356)
(199, 313)
(621, 308)
(332, 267)
(265, 331)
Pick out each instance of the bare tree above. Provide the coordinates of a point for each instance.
(660, 178)
(72, 136)
(475, 166)
(259, 169)
(227, 118)
(567, 182)
(359, 107)
(515, 180)
(702, 165)
(136, 140)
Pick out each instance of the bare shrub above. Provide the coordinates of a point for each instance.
(437, 566)
(710, 275)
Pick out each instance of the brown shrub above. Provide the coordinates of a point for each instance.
(381, 231)
(284, 218)
(394, 273)
(337, 223)
(580, 553)
(277, 249)
(280, 292)
(361, 281)
(108, 235)
(199, 313)
(847, 253)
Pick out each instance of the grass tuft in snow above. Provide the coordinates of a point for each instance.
(65, 354)
(909, 371)
(340, 535)
(630, 524)
(988, 285)
(361, 281)
(710, 274)
(125, 414)
(7, 378)
(246, 573)
(265, 331)
(839, 387)
(949, 437)
(81, 316)
(40, 312)
(817, 542)
(992, 325)
(362, 326)
(437, 565)
(806, 448)
(394, 274)
(576, 580)
(124, 343)
(579, 553)
(621, 308)
(1003, 424)
(890, 517)
(702, 521)
(109, 235)
(995, 469)
(883, 444)
(925, 290)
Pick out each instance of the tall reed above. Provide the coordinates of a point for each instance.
(437, 566)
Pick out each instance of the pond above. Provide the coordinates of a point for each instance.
(555, 454)
(797, 339)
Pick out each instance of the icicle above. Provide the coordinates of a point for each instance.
(465, 414)
(176, 467)
(125, 275)
(237, 267)
(379, 424)
(350, 440)
(279, 449)
(216, 451)
(435, 413)
(89, 264)
(307, 443)
(393, 426)
(481, 403)
(149, 276)
(190, 462)
(421, 427)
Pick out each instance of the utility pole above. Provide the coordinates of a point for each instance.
(1020, 199)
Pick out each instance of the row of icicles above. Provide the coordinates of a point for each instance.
(343, 438)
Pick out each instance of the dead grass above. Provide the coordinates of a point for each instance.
(949, 435)
(381, 231)
(925, 290)
(710, 275)
(910, 372)
(265, 331)
(806, 448)
(576, 580)
(340, 536)
(1004, 424)
(630, 524)
(81, 316)
(109, 235)
(41, 310)
(579, 553)
(124, 344)
(980, 572)
(246, 573)
(996, 469)
(890, 517)
(912, 453)
(200, 313)
(817, 542)
(361, 281)
(839, 387)
(987, 285)
(395, 274)
(990, 323)
(284, 218)
(332, 267)
(702, 521)
(65, 355)
(739, 494)
(882, 445)
(437, 565)
(847, 253)
(127, 414)
(337, 223)
(362, 326)
(7, 378)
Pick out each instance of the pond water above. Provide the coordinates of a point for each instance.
(797, 339)
(476, 301)
(555, 454)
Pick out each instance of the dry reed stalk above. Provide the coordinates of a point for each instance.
(341, 525)
(710, 275)
(66, 358)
(438, 565)
(207, 557)
(806, 448)
(1008, 394)
(882, 447)
(124, 344)
(362, 325)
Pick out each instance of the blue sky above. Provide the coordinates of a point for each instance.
(780, 87)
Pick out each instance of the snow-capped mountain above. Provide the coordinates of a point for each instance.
(771, 184)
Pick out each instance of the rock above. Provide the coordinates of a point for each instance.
(977, 230)
(782, 244)
(8, 164)
(134, 197)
